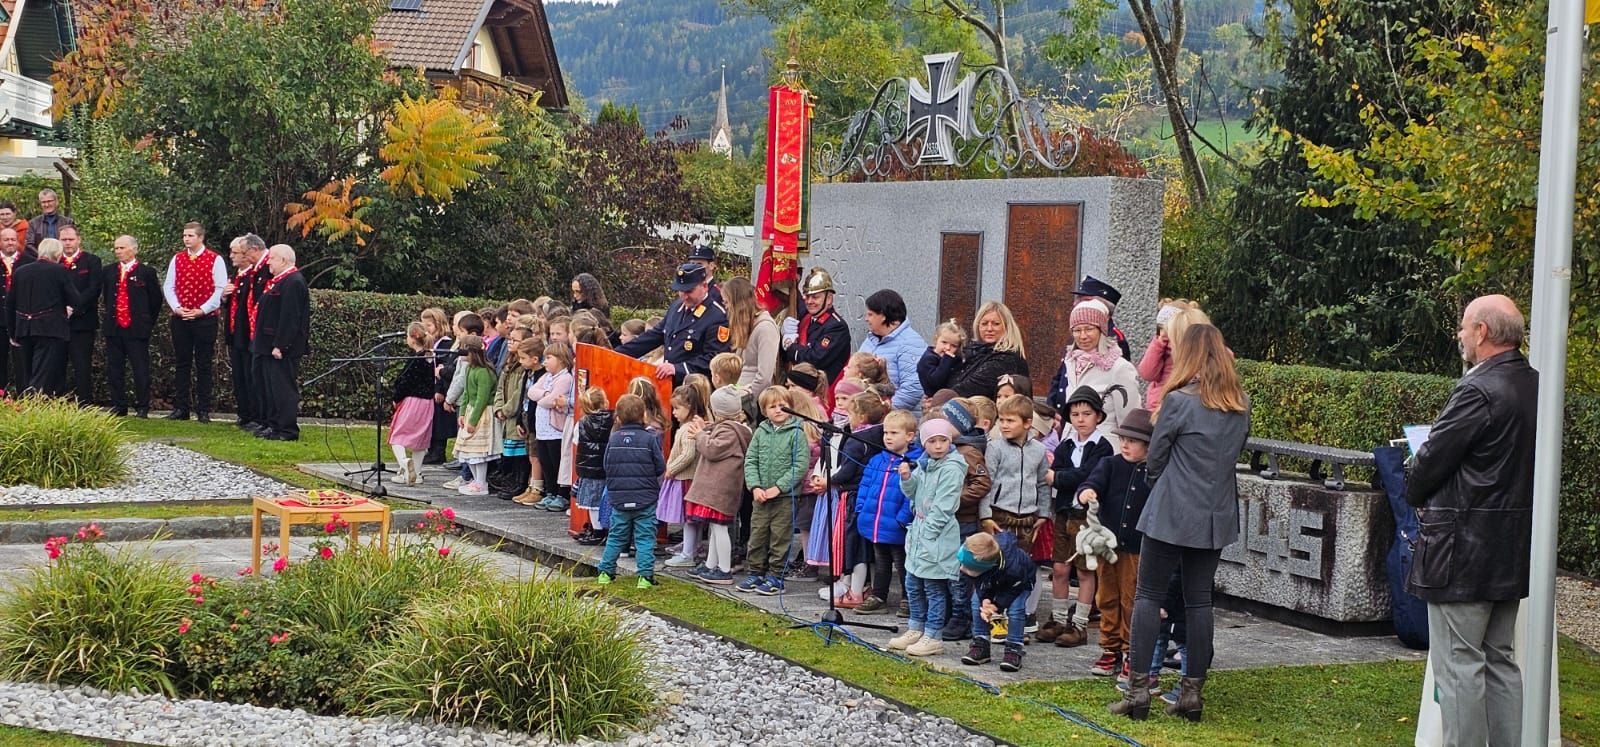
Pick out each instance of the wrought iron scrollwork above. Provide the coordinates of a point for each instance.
(1001, 131)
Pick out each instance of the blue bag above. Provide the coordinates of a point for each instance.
(1410, 613)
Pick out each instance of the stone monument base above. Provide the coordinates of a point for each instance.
(1310, 556)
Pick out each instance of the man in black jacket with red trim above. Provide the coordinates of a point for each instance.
(282, 336)
(42, 295)
(822, 338)
(131, 296)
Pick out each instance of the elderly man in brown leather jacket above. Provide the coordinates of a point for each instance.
(1473, 484)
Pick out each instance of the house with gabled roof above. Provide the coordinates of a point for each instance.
(33, 34)
(481, 48)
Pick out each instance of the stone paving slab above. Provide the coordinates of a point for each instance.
(1242, 641)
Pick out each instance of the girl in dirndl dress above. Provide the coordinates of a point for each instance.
(688, 405)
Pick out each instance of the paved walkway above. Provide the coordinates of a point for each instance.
(1243, 641)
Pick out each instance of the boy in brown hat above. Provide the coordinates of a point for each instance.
(1117, 490)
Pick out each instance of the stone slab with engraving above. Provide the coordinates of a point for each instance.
(1310, 550)
(878, 235)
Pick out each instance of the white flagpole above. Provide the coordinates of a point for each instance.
(1552, 286)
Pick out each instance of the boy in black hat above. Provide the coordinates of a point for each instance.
(1082, 447)
(1117, 490)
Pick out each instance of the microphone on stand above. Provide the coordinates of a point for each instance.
(390, 335)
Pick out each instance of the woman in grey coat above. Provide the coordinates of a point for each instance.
(1193, 511)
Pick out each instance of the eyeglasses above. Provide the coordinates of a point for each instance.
(1081, 329)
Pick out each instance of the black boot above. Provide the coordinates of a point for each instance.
(1135, 703)
(178, 414)
(201, 416)
(1190, 703)
(978, 653)
(1012, 661)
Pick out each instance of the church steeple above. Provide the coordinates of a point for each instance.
(721, 132)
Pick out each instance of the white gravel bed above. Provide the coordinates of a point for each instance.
(1578, 610)
(712, 693)
(157, 472)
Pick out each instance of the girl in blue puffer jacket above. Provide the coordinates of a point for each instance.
(882, 510)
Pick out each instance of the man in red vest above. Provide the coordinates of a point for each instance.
(131, 297)
(193, 288)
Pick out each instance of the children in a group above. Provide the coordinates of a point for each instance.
(655, 418)
(530, 355)
(689, 404)
(972, 418)
(1019, 499)
(939, 361)
(552, 396)
(1117, 490)
(809, 394)
(466, 324)
(412, 426)
(1002, 578)
(633, 465)
(630, 329)
(719, 476)
(560, 330)
(726, 370)
(934, 538)
(774, 466)
(882, 511)
(1080, 450)
(867, 367)
(475, 450)
(444, 421)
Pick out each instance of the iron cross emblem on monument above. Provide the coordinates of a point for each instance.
(943, 115)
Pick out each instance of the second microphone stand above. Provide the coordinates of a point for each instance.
(832, 617)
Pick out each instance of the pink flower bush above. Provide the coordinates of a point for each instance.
(281, 563)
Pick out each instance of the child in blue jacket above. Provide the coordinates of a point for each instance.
(882, 510)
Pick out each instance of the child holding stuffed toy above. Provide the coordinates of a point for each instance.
(1081, 448)
(1116, 490)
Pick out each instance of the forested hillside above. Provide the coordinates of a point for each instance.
(664, 55)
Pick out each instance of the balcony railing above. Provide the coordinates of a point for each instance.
(25, 99)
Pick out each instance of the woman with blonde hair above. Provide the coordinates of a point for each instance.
(995, 350)
(1192, 512)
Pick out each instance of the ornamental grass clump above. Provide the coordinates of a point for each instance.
(535, 656)
(106, 619)
(53, 443)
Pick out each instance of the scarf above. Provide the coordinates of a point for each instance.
(1081, 360)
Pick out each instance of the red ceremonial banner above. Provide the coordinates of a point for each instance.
(783, 216)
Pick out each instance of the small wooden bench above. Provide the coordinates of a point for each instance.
(290, 513)
(1264, 454)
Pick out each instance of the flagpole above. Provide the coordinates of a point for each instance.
(1552, 288)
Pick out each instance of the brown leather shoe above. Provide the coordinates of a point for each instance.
(1049, 631)
(1072, 636)
(1190, 703)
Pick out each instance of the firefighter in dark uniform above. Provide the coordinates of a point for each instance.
(694, 331)
(822, 338)
(705, 256)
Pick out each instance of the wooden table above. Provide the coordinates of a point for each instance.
(290, 515)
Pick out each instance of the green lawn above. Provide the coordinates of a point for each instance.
(1357, 704)
(12, 736)
(1223, 134)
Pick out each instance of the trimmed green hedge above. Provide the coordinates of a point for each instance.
(1362, 410)
(342, 325)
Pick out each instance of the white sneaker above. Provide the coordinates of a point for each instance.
(927, 646)
(904, 640)
(454, 483)
(680, 561)
(473, 488)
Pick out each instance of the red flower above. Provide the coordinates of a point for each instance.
(449, 514)
(430, 514)
(199, 600)
(421, 526)
(327, 552)
(244, 612)
(247, 570)
(195, 589)
(328, 528)
(183, 627)
(281, 563)
(196, 578)
(277, 638)
(444, 552)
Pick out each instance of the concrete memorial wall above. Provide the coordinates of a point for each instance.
(949, 246)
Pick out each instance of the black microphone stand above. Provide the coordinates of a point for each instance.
(373, 474)
(832, 618)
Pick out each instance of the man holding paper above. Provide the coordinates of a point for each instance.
(1472, 482)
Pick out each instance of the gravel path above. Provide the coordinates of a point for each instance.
(714, 694)
(157, 472)
(1578, 610)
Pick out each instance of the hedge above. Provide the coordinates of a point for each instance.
(1361, 410)
(343, 325)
